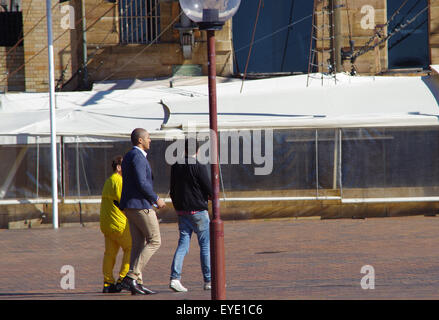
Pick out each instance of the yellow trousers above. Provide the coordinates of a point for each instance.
(114, 241)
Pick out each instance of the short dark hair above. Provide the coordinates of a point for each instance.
(136, 135)
(116, 161)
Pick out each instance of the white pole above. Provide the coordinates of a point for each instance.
(52, 114)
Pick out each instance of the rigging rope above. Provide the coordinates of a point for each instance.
(251, 44)
(396, 30)
(288, 35)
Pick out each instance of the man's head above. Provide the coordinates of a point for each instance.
(140, 138)
(116, 164)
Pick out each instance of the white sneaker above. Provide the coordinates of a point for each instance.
(207, 286)
(177, 286)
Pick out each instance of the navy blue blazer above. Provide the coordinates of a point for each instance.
(137, 190)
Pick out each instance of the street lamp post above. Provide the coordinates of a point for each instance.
(210, 15)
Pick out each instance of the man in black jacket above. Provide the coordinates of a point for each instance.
(190, 191)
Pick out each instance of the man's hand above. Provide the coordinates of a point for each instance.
(160, 203)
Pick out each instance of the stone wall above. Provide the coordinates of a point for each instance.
(376, 60)
(434, 31)
(107, 56)
(11, 69)
(356, 24)
(35, 45)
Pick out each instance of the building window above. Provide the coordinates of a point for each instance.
(139, 21)
(11, 23)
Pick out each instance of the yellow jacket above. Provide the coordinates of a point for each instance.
(111, 218)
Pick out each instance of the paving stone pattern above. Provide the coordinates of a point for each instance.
(282, 259)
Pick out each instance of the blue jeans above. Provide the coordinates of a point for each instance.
(198, 223)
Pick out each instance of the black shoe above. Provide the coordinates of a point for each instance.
(118, 287)
(131, 284)
(109, 288)
(146, 290)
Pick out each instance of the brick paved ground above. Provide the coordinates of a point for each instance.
(265, 259)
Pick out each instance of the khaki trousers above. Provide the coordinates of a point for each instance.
(145, 235)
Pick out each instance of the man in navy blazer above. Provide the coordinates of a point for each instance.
(137, 201)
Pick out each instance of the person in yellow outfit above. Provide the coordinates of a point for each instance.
(115, 228)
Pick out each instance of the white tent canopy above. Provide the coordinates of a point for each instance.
(275, 103)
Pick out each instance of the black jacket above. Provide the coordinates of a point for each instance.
(190, 186)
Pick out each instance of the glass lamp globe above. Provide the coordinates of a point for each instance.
(210, 14)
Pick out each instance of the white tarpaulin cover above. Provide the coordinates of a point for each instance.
(277, 102)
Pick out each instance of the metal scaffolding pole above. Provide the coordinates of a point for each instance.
(338, 36)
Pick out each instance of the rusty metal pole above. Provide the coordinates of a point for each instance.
(217, 258)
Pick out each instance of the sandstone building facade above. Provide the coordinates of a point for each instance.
(126, 39)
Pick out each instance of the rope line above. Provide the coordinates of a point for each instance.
(275, 32)
(251, 44)
(364, 50)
